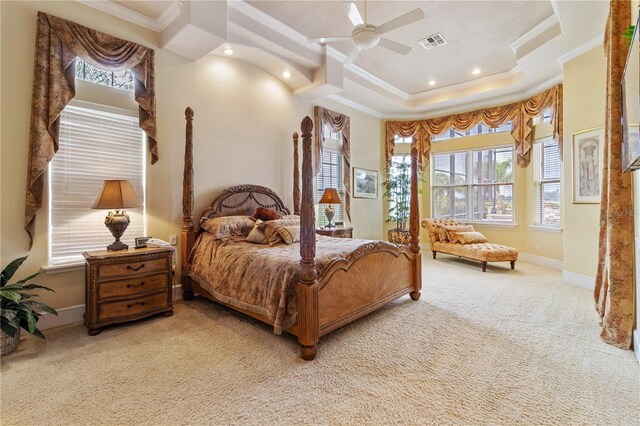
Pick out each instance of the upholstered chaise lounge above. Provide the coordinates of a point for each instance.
(484, 252)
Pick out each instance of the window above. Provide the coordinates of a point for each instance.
(328, 134)
(330, 176)
(480, 129)
(547, 183)
(94, 145)
(122, 80)
(473, 185)
(400, 140)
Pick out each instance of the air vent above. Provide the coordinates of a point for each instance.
(432, 41)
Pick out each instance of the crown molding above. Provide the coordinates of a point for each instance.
(535, 32)
(472, 106)
(583, 48)
(123, 12)
(355, 105)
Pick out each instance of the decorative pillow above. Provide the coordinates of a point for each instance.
(227, 226)
(442, 233)
(289, 234)
(266, 214)
(452, 230)
(470, 237)
(257, 235)
(270, 229)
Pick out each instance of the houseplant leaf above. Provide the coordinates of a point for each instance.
(11, 269)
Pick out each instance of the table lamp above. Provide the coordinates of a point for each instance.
(329, 197)
(117, 194)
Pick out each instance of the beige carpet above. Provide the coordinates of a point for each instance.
(501, 347)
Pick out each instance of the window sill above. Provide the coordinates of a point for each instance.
(60, 269)
(545, 228)
(493, 224)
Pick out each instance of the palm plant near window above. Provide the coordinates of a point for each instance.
(397, 191)
(18, 309)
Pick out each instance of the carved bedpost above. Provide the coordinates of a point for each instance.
(296, 176)
(188, 234)
(308, 319)
(414, 225)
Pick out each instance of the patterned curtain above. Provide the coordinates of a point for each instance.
(519, 113)
(338, 123)
(614, 281)
(58, 43)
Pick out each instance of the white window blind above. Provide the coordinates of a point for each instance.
(94, 145)
(330, 176)
(474, 185)
(547, 183)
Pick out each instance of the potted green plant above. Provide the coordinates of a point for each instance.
(397, 191)
(18, 309)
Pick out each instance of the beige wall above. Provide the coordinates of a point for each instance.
(584, 108)
(244, 118)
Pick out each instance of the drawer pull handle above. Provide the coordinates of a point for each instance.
(135, 285)
(135, 269)
(134, 304)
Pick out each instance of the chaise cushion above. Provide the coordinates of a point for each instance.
(485, 252)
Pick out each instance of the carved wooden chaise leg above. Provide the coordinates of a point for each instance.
(434, 254)
(484, 266)
(513, 264)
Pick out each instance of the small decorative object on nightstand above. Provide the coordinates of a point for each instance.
(329, 197)
(336, 232)
(118, 195)
(126, 285)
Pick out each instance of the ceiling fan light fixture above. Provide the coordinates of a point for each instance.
(365, 37)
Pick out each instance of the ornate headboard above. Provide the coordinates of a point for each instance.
(243, 200)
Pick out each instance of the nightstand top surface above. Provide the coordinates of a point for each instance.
(122, 253)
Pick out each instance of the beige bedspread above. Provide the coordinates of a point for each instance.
(259, 278)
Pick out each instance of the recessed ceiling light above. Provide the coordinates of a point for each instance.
(286, 74)
(432, 83)
(228, 51)
(476, 71)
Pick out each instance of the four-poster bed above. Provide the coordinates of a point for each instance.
(330, 290)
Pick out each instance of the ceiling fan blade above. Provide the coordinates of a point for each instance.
(352, 12)
(328, 39)
(352, 56)
(406, 19)
(399, 48)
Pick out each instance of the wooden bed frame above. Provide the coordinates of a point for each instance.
(371, 276)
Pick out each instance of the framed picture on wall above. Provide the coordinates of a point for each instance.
(588, 147)
(365, 183)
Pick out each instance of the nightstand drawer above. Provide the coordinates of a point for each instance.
(111, 310)
(142, 267)
(133, 286)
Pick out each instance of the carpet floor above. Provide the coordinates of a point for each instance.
(501, 347)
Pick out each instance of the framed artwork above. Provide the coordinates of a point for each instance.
(588, 148)
(365, 183)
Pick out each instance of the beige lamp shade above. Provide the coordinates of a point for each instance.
(117, 194)
(330, 196)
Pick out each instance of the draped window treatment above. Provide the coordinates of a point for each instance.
(58, 43)
(521, 115)
(613, 291)
(338, 123)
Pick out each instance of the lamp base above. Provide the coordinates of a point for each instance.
(329, 212)
(117, 223)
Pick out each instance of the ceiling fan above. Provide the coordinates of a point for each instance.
(366, 36)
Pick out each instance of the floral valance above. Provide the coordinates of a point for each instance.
(58, 43)
(338, 123)
(520, 114)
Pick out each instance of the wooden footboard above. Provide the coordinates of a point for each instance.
(368, 278)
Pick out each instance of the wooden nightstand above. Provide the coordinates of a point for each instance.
(335, 232)
(126, 285)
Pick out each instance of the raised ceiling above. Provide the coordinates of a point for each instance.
(519, 46)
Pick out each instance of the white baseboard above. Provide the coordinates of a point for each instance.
(636, 344)
(579, 280)
(73, 314)
(542, 261)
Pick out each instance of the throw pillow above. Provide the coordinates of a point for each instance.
(289, 234)
(266, 214)
(470, 237)
(442, 234)
(257, 235)
(228, 226)
(270, 229)
(452, 230)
